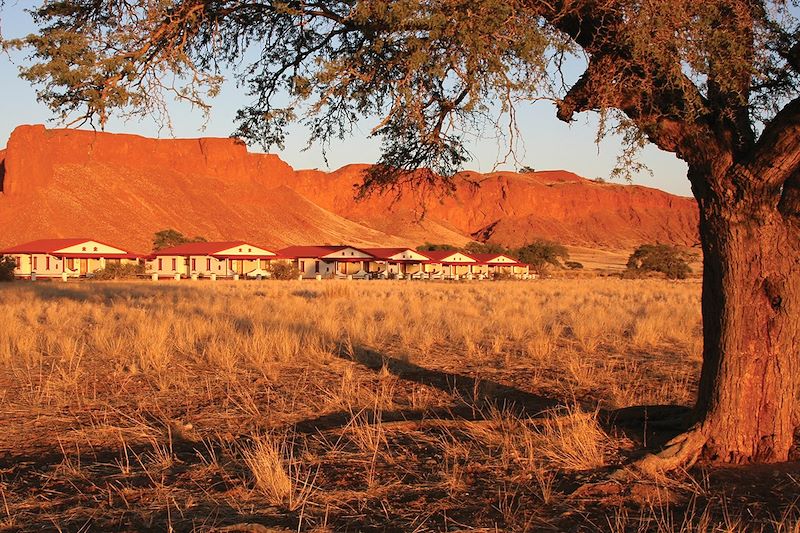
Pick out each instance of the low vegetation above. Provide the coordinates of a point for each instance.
(115, 270)
(333, 406)
(663, 258)
(283, 270)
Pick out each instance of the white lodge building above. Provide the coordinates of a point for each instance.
(206, 259)
(396, 262)
(449, 264)
(329, 261)
(56, 258)
(497, 264)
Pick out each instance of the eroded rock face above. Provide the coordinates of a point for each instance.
(123, 188)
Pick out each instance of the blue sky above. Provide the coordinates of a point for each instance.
(546, 143)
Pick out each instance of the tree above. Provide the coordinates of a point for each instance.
(170, 237)
(431, 247)
(283, 270)
(714, 82)
(542, 254)
(663, 258)
(7, 267)
(475, 247)
(114, 270)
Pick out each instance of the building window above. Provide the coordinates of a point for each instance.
(249, 249)
(194, 263)
(208, 263)
(35, 262)
(83, 248)
(174, 264)
(18, 260)
(316, 267)
(160, 264)
(302, 266)
(95, 248)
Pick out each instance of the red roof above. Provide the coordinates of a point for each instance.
(248, 257)
(439, 256)
(206, 248)
(387, 253)
(296, 252)
(488, 258)
(50, 246)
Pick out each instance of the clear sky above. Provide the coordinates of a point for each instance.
(547, 143)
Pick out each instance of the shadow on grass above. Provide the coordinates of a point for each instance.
(650, 426)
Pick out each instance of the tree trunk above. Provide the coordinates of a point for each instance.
(751, 328)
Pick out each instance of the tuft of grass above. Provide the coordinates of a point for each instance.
(572, 439)
(276, 473)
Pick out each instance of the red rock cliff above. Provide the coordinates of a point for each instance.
(123, 188)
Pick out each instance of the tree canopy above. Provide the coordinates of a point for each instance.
(543, 254)
(674, 73)
(669, 260)
(170, 237)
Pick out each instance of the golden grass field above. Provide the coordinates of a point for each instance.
(354, 406)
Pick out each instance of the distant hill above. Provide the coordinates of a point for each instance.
(123, 188)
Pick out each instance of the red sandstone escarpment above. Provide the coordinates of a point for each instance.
(123, 188)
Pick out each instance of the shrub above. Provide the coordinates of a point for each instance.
(431, 247)
(170, 237)
(119, 271)
(542, 254)
(669, 260)
(485, 248)
(501, 276)
(283, 270)
(574, 265)
(7, 266)
(526, 170)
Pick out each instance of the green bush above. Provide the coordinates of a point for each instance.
(486, 248)
(283, 270)
(543, 254)
(7, 266)
(114, 270)
(167, 238)
(431, 247)
(669, 260)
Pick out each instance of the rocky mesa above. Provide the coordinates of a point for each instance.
(122, 188)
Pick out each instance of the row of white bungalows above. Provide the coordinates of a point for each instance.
(348, 262)
(65, 258)
(448, 264)
(229, 259)
(68, 258)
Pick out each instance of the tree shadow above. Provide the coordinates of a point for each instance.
(649, 426)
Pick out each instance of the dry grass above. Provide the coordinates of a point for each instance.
(396, 400)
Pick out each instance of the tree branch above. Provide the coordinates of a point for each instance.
(776, 157)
